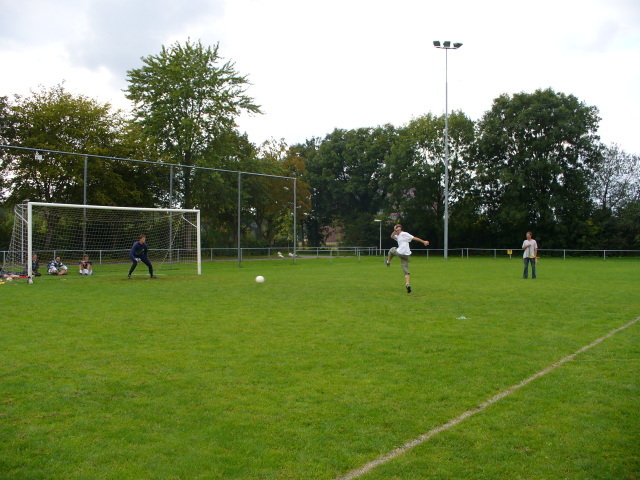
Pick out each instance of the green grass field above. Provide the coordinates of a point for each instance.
(325, 367)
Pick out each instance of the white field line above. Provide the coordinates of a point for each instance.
(452, 423)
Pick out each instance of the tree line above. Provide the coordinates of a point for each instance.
(532, 162)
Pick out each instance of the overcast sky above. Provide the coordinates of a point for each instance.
(319, 65)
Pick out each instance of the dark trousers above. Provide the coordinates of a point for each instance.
(528, 261)
(144, 260)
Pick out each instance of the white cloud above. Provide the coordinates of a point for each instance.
(318, 65)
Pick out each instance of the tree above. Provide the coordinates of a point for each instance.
(185, 98)
(628, 225)
(7, 136)
(616, 179)
(272, 197)
(345, 173)
(215, 192)
(415, 172)
(535, 156)
(7, 122)
(56, 120)
(615, 191)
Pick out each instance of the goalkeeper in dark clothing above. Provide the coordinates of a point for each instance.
(138, 253)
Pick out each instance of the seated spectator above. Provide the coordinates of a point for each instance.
(56, 267)
(35, 265)
(6, 274)
(85, 266)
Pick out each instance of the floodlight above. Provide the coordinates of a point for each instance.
(446, 46)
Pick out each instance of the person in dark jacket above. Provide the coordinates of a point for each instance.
(138, 253)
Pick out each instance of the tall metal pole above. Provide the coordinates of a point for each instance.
(84, 181)
(29, 239)
(239, 217)
(446, 154)
(171, 217)
(446, 47)
(84, 202)
(295, 218)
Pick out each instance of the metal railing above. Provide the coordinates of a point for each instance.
(273, 253)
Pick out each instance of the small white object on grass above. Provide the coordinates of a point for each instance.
(260, 279)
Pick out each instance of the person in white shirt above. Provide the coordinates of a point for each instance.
(403, 251)
(530, 255)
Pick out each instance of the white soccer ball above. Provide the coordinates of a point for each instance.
(260, 279)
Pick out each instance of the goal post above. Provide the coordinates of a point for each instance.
(106, 234)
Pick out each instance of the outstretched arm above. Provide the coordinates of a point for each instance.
(424, 242)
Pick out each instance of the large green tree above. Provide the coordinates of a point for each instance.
(616, 179)
(415, 178)
(7, 122)
(615, 189)
(272, 196)
(58, 121)
(536, 152)
(345, 171)
(216, 191)
(185, 98)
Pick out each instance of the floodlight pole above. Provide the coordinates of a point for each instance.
(380, 243)
(239, 218)
(295, 218)
(84, 218)
(446, 46)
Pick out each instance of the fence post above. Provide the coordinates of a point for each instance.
(239, 218)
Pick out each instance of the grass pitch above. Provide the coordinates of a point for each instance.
(326, 366)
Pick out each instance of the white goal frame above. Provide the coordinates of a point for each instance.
(30, 206)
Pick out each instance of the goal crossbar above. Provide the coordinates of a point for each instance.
(102, 207)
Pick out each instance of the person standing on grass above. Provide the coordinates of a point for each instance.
(530, 255)
(138, 253)
(403, 251)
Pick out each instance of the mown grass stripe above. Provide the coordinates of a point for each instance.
(459, 419)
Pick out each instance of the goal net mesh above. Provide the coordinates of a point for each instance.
(106, 234)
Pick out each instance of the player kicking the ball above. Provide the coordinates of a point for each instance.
(138, 253)
(403, 251)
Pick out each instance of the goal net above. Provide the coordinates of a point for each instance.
(105, 234)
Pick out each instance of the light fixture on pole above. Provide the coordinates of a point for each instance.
(380, 224)
(446, 46)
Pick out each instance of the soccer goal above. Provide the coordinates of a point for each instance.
(105, 233)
